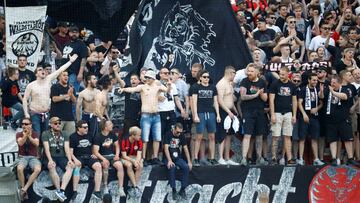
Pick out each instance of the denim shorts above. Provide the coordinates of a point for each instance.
(207, 121)
(150, 122)
(30, 161)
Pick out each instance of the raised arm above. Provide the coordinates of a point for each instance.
(56, 73)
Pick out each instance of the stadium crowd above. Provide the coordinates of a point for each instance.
(62, 118)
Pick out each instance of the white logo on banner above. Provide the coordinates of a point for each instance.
(24, 33)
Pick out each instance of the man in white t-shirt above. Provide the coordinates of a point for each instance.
(319, 41)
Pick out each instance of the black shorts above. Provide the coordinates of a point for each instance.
(87, 161)
(322, 122)
(358, 122)
(339, 131)
(61, 162)
(221, 133)
(312, 128)
(254, 122)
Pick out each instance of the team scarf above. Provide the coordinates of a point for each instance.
(308, 99)
(328, 106)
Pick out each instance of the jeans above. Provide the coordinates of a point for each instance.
(184, 172)
(40, 122)
(73, 82)
(20, 112)
(150, 122)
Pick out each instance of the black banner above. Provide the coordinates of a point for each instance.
(181, 33)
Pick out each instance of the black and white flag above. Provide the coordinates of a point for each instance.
(190, 31)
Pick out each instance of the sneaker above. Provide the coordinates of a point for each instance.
(74, 195)
(261, 161)
(196, 162)
(137, 192)
(353, 162)
(213, 162)
(96, 195)
(231, 162)
(205, 162)
(282, 161)
(106, 190)
(291, 162)
(156, 161)
(175, 196)
(147, 162)
(131, 192)
(318, 162)
(222, 162)
(182, 194)
(333, 162)
(338, 162)
(122, 192)
(243, 162)
(60, 195)
(274, 162)
(300, 162)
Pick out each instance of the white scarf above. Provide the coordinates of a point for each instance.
(308, 99)
(328, 106)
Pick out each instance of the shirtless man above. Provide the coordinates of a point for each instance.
(101, 99)
(86, 99)
(150, 117)
(226, 101)
(38, 92)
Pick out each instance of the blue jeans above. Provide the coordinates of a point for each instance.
(150, 122)
(184, 172)
(20, 112)
(40, 122)
(73, 82)
(208, 121)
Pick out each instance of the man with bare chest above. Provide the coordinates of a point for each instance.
(36, 101)
(150, 117)
(86, 100)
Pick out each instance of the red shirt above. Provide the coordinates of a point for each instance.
(28, 149)
(131, 149)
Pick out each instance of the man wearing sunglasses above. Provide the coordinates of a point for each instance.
(57, 153)
(112, 56)
(320, 40)
(28, 143)
(81, 152)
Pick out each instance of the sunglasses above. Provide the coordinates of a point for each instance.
(296, 81)
(115, 52)
(205, 77)
(57, 123)
(293, 22)
(147, 77)
(173, 73)
(326, 28)
(178, 132)
(25, 123)
(273, 17)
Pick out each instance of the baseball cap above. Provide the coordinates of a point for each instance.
(261, 19)
(150, 74)
(54, 119)
(240, 2)
(73, 28)
(63, 24)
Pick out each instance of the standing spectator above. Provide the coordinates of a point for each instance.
(37, 93)
(283, 106)
(296, 39)
(320, 40)
(80, 147)
(75, 46)
(174, 144)
(57, 152)
(85, 104)
(11, 97)
(28, 143)
(253, 97)
(206, 114)
(264, 38)
(113, 56)
(107, 149)
(226, 102)
(281, 20)
(131, 157)
(301, 23)
(25, 76)
(150, 119)
(62, 97)
(241, 5)
(348, 20)
(309, 105)
(62, 37)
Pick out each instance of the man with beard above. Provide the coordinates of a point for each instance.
(309, 105)
(132, 106)
(75, 46)
(38, 93)
(337, 104)
(62, 97)
(86, 100)
(253, 97)
(264, 38)
(25, 76)
(320, 40)
(283, 106)
(348, 21)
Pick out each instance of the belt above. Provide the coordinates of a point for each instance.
(150, 114)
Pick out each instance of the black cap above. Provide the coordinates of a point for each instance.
(261, 19)
(63, 24)
(239, 2)
(73, 28)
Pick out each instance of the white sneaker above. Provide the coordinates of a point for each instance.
(121, 192)
(222, 162)
(301, 162)
(106, 190)
(318, 162)
(231, 162)
(282, 161)
(338, 162)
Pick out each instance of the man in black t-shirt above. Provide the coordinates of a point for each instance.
(81, 153)
(25, 76)
(338, 103)
(173, 145)
(62, 98)
(11, 97)
(107, 149)
(253, 95)
(309, 106)
(132, 106)
(283, 106)
(75, 46)
(264, 38)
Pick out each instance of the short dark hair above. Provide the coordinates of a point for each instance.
(312, 75)
(22, 55)
(201, 72)
(11, 71)
(104, 82)
(178, 126)
(80, 123)
(107, 198)
(88, 77)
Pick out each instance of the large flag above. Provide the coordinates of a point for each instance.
(188, 32)
(24, 33)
